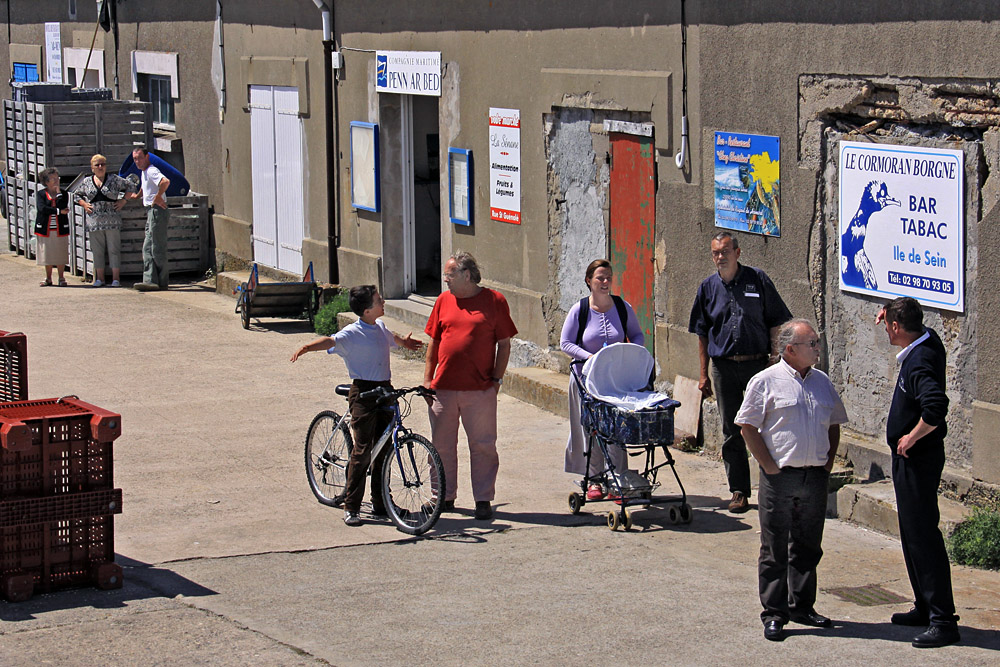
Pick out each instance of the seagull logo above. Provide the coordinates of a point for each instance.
(855, 267)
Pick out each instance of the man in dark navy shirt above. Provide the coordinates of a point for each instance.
(915, 432)
(736, 314)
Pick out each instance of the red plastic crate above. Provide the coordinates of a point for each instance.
(55, 446)
(54, 555)
(60, 508)
(13, 367)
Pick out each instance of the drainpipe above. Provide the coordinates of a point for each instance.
(332, 173)
(682, 153)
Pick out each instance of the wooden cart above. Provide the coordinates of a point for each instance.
(290, 300)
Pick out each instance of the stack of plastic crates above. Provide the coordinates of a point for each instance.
(57, 497)
(13, 367)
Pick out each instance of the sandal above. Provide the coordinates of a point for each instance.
(45, 283)
(63, 283)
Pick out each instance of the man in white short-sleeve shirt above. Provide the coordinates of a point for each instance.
(155, 274)
(790, 419)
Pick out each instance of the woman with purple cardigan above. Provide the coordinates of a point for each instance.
(603, 326)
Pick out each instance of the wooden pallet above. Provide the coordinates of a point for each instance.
(187, 238)
(65, 135)
(21, 214)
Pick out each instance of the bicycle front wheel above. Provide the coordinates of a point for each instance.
(328, 449)
(413, 484)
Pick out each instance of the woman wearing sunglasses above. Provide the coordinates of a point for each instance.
(102, 196)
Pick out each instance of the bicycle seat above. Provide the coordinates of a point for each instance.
(343, 389)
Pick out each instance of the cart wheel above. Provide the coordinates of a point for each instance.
(245, 307)
(614, 523)
(628, 520)
(673, 514)
(313, 308)
(575, 502)
(687, 514)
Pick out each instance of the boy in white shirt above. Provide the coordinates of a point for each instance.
(364, 345)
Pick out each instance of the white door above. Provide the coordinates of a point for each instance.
(277, 177)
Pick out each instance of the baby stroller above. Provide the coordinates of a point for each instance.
(619, 409)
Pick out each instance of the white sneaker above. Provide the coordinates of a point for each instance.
(98, 283)
(115, 283)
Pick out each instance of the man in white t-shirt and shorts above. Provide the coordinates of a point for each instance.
(155, 274)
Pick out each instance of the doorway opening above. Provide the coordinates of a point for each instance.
(426, 201)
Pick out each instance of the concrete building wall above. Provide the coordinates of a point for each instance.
(915, 72)
(517, 57)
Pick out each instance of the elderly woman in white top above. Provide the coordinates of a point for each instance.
(102, 196)
(602, 325)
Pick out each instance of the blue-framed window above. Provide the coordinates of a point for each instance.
(364, 166)
(25, 72)
(460, 186)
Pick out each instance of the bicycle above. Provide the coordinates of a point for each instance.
(412, 473)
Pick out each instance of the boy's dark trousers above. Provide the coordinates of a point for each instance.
(368, 423)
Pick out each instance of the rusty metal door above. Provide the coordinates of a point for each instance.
(633, 213)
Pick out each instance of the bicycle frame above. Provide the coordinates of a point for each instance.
(392, 432)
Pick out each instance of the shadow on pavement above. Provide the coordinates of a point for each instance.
(140, 582)
(707, 519)
(985, 639)
(279, 326)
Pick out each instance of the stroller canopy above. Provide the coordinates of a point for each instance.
(619, 373)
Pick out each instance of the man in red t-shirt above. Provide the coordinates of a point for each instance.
(470, 330)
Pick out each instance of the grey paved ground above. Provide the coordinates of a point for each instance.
(230, 561)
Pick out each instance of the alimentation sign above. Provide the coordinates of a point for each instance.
(505, 165)
(408, 72)
(902, 227)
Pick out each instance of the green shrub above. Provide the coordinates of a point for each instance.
(325, 323)
(976, 541)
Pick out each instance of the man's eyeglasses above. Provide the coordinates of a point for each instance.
(811, 343)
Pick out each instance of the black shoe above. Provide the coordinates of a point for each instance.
(914, 617)
(774, 631)
(937, 636)
(812, 619)
(449, 506)
(484, 510)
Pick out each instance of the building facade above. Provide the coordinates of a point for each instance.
(540, 136)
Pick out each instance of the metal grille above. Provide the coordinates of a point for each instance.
(867, 596)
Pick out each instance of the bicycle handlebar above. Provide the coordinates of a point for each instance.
(386, 395)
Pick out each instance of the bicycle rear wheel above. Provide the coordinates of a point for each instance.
(328, 450)
(413, 485)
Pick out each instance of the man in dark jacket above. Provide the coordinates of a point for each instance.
(736, 314)
(915, 432)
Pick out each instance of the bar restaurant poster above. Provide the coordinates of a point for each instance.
(748, 183)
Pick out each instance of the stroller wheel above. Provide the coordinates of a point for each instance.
(628, 519)
(614, 522)
(673, 514)
(686, 513)
(575, 502)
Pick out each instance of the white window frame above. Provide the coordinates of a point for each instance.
(76, 59)
(160, 63)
